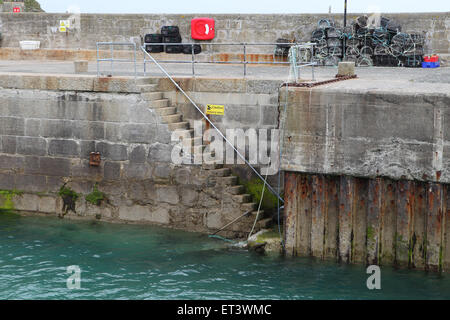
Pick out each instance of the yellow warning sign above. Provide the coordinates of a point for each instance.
(64, 23)
(62, 29)
(215, 109)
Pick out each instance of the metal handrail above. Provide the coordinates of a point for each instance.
(112, 60)
(212, 124)
(244, 62)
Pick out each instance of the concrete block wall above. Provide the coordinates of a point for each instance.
(256, 28)
(368, 175)
(248, 103)
(400, 135)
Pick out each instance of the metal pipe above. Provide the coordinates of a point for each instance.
(345, 24)
(193, 60)
(145, 67)
(116, 60)
(112, 44)
(112, 60)
(135, 68)
(98, 62)
(312, 63)
(345, 14)
(228, 44)
(245, 60)
(220, 62)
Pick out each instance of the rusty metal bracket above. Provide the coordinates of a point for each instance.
(319, 83)
(94, 159)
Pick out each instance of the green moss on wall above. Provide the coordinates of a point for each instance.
(69, 197)
(272, 234)
(6, 200)
(95, 197)
(370, 233)
(254, 187)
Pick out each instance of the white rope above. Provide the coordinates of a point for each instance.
(259, 209)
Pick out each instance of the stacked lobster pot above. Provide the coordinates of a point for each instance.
(172, 39)
(169, 41)
(329, 44)
(334, 45)
(152, 43)
(282, 47)
(367, 41)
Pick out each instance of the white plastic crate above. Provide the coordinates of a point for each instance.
(30, 45)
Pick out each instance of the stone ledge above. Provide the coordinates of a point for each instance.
(67, 82)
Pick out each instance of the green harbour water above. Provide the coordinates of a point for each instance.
(145, 262)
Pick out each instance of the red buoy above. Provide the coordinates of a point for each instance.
(203, 29)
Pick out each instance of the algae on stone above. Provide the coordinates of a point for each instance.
(69, 198)
(6, 200)
(95, 197)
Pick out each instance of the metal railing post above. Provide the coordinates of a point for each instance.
(312, 63)
(193, 61)
(112, 59)
(133, 60)
(98, 62)
(145, 68)
(245, 60)
(135, 68)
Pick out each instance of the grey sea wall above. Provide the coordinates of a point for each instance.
(367, 175)
(49, 125)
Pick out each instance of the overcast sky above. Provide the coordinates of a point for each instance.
(243, 6)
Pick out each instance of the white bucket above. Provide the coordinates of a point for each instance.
(29, 45)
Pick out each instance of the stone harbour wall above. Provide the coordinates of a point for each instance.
(368, 133)
(251, 28)
(368, 174)
(49, 125)
(248, 103)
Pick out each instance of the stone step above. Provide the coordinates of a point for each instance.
(197, 150)
(223, 172)
(249, 206)
(178, 125)
(265, 223)
(173, 118)
(261, 214)
(166, 111)
(146, 80)
(192, 141)
(185, 132)
(162, 103)
(227, 181)
(242, 198)
(150, 96)
(211, 166)
(236, 189)
(148, 87)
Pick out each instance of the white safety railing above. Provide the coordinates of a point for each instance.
(301, 56)
(112, 59)
(245, 62)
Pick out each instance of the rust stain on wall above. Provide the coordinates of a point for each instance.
(377, 221)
